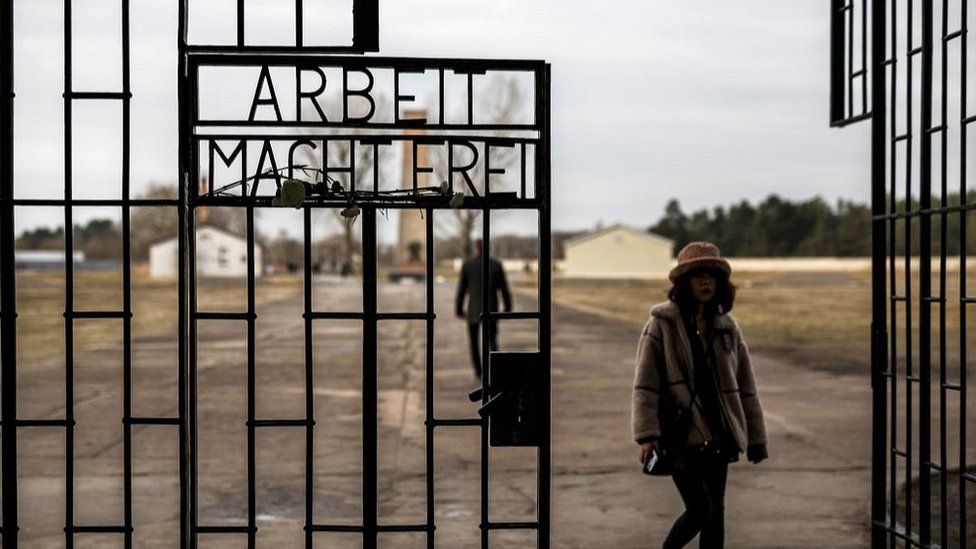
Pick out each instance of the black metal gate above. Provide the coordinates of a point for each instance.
(260, 146)
(904, 66)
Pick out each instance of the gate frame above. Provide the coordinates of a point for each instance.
(365, 39)
(192, 59)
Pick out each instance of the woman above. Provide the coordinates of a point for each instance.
(691, 351)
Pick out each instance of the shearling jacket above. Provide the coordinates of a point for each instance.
(664, 347)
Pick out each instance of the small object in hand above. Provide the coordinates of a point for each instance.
(649, 466)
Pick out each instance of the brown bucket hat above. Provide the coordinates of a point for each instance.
(699, 255)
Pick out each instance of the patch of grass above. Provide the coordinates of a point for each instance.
(41, 305)
(820, 318)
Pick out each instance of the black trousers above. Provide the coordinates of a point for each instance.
(474, 338)
(701, 484)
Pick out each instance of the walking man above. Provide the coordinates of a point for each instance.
(470, 284)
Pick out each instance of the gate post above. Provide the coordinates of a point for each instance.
(879, 291)
(8, 293)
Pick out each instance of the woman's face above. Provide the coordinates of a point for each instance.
(702, 285)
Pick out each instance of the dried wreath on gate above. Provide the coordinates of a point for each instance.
(292, 192)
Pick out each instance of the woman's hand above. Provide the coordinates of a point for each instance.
(644, 453)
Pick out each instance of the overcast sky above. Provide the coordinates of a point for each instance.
(707, 102)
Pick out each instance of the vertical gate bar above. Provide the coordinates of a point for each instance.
(925, 284)
(879, 292)
(186, 296)
(485, 351)
(251, 344)
(184, 463)
(429, 377)
(545, 310)
(864, 56)
(963, 256)
(943, 231)
(191, 274)
(69, 443)
(309, 383)
(849, 70)
(8, 290)
(240, 23)
(893, 333)
(907, 253)
(126, 287)
(299, 24)
(837, 60)
(369, 378)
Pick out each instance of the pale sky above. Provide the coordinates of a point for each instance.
(708, 102)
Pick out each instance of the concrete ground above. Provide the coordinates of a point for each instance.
(812, 492)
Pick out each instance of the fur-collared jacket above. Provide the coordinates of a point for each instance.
(664, 347)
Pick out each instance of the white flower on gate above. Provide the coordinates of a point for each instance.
(350, 212)
(457, 200)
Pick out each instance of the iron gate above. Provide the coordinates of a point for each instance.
(903, 65)
(200, 138)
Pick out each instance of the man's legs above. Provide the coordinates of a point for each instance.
(473, 331)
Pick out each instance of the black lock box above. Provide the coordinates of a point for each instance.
(514, 406)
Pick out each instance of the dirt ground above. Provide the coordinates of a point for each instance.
(812, 492)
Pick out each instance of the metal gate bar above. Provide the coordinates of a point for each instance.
(8, 291)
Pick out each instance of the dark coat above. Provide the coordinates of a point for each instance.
(664, 348)
(470, 284)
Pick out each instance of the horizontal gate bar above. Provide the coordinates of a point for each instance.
(405, 316)
(281, 423)
(154, 421)
(513, 525)
(97, 95)
(463, 422)
(98, 314)
(198, 57)
(322, 315)
(223, 529)
(513, 315)
(213, 315)
(401, 528)
(852, 119)
(495, 202)
(953, 35)
(336, 528)
(97, 529)
(95, 202)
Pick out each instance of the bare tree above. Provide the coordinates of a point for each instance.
(339, 154)
(502, 102)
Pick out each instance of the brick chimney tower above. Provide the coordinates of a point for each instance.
(412, 231)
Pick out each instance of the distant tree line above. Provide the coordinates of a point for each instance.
(811, 227)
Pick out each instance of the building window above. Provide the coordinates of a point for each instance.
(222, 257)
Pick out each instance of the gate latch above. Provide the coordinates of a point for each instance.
(514, 404)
